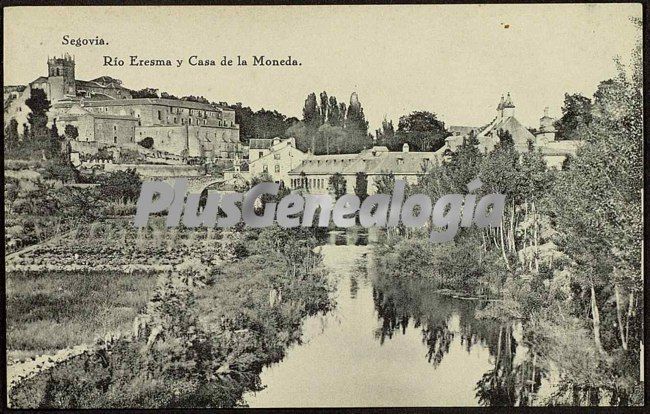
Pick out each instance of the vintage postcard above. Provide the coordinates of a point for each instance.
(323, 206)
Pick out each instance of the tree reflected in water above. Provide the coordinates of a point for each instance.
(516, 375)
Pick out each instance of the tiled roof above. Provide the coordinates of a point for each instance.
(72, 116)
(260, 143)
(107, 83)
(154, 101)
(378, 163)
(520, 134)
(462, 130)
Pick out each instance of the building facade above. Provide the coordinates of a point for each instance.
(314, 173)
(180, 127)
(543, 140)
(280, 158)
(104, 112)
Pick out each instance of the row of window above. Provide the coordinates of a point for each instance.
(199, 112)
(265, 168)
(317, 183)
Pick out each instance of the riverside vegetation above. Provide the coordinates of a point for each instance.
(565, 263)
(168, 318)
(204, 335)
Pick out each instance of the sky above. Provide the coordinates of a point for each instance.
(453, 60)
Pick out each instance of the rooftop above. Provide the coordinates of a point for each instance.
(155, 101)
(371, 161)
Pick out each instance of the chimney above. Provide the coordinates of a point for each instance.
(405, 147)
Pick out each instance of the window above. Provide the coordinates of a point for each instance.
(114, 127)
(265, 168)
(276, 156)
(260, 154)
(160, 115)
(115, 140)
(277, 168)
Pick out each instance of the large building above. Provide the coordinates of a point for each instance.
(315, 172)
(177, 126)
(281, 157)
(543, 140)
(106, 113)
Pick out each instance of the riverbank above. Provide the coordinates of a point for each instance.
(202, 341)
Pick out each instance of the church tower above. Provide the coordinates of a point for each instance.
(546, 132)
(61, 77)
(500, 108)
(508, 107)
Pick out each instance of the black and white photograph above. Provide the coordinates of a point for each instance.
(323, 206)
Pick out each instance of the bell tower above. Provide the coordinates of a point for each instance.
(61, 77)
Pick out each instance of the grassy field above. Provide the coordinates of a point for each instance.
(54, 310)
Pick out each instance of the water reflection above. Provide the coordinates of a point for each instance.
(395, 342)
(515, 376)
(352, 237)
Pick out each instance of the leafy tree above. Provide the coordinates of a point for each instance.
(332, 140)
(337, 185)
(63, 172)
(192, 98)
(54, 131)
(361, 185)
(334, 117)
(324, 106)
(385, 184)
(386, 135)
(465, 163)
(310, 112)
(261, 124)
(146, 142)
(120, 186)
(421, 130)
(11, 134)
(145, 93)
(71, 132)
(166, 95)
(355, 120)
(576, 115)
(505, 139)
(39, 105)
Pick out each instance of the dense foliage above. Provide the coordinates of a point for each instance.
(566, 261)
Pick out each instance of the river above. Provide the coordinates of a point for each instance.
(388, 343)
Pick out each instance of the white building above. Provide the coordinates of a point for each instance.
(315, 171)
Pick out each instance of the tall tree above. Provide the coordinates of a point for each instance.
(324, 106)
(334, 112)
(361, 185)
(355, 120)
(421, 130)
(37, 118)
(576, 116)
(337, 185)
(310, 112)
(11, 134)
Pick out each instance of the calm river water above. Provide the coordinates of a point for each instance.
(391, 343)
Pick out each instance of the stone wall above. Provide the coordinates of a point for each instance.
(159, 170)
